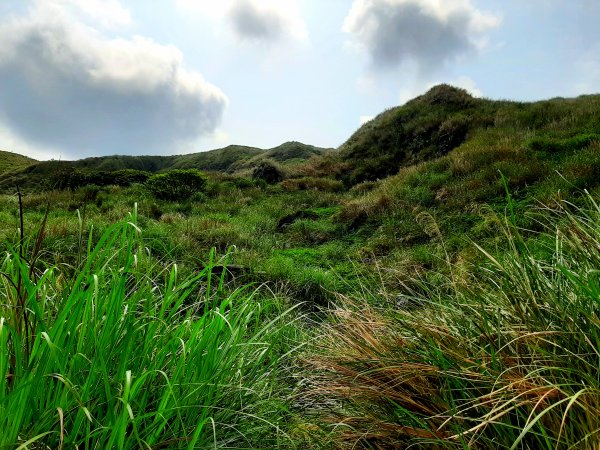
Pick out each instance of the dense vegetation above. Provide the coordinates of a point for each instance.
(431, 284)
(234, 158)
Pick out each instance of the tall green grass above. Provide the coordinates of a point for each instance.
(105, 356)
(506, 357)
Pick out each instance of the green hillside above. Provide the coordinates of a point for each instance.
(10, 162)
(228, 159)
(289, 154)
(446, 117)
(216, 160)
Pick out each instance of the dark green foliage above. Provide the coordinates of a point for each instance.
(121, 162)
(47, 175)
(75, 179)
(176, 185)
(269, 171)
(127, 177)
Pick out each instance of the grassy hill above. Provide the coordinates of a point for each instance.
(228, 159)
(10, 162)
(288, 153)
(446, 117)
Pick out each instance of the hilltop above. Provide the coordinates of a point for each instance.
(426, 128)
(447, 117)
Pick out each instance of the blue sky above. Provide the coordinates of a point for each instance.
(99, 77)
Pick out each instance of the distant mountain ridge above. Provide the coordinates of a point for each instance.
(227, 159)
(430, 126)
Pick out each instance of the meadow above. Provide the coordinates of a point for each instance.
(433, 283)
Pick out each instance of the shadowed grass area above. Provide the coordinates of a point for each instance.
(507, 358)
(108, 356)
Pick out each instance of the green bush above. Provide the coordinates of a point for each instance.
(268, 171)
(176, 184)
(127, 177)
(75, 179)
(313, 183)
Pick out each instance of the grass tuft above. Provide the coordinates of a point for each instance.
(121, 359)
(508, 360)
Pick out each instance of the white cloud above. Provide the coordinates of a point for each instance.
(260, 21)
(67, 86)
(428, 33)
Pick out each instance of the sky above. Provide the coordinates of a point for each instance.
(83, 78)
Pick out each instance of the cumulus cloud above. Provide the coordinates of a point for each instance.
(427, 33)
(67, 86)
(258, 21)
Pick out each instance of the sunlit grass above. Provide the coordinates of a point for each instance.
(107, 356)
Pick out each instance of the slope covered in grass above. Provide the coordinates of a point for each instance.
(10, 162)
(311, 235)
(446, 117)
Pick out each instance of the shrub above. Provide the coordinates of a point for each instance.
(75, 179)
(127, 177)
(268, 171)
(311, 183)
(176, 184)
